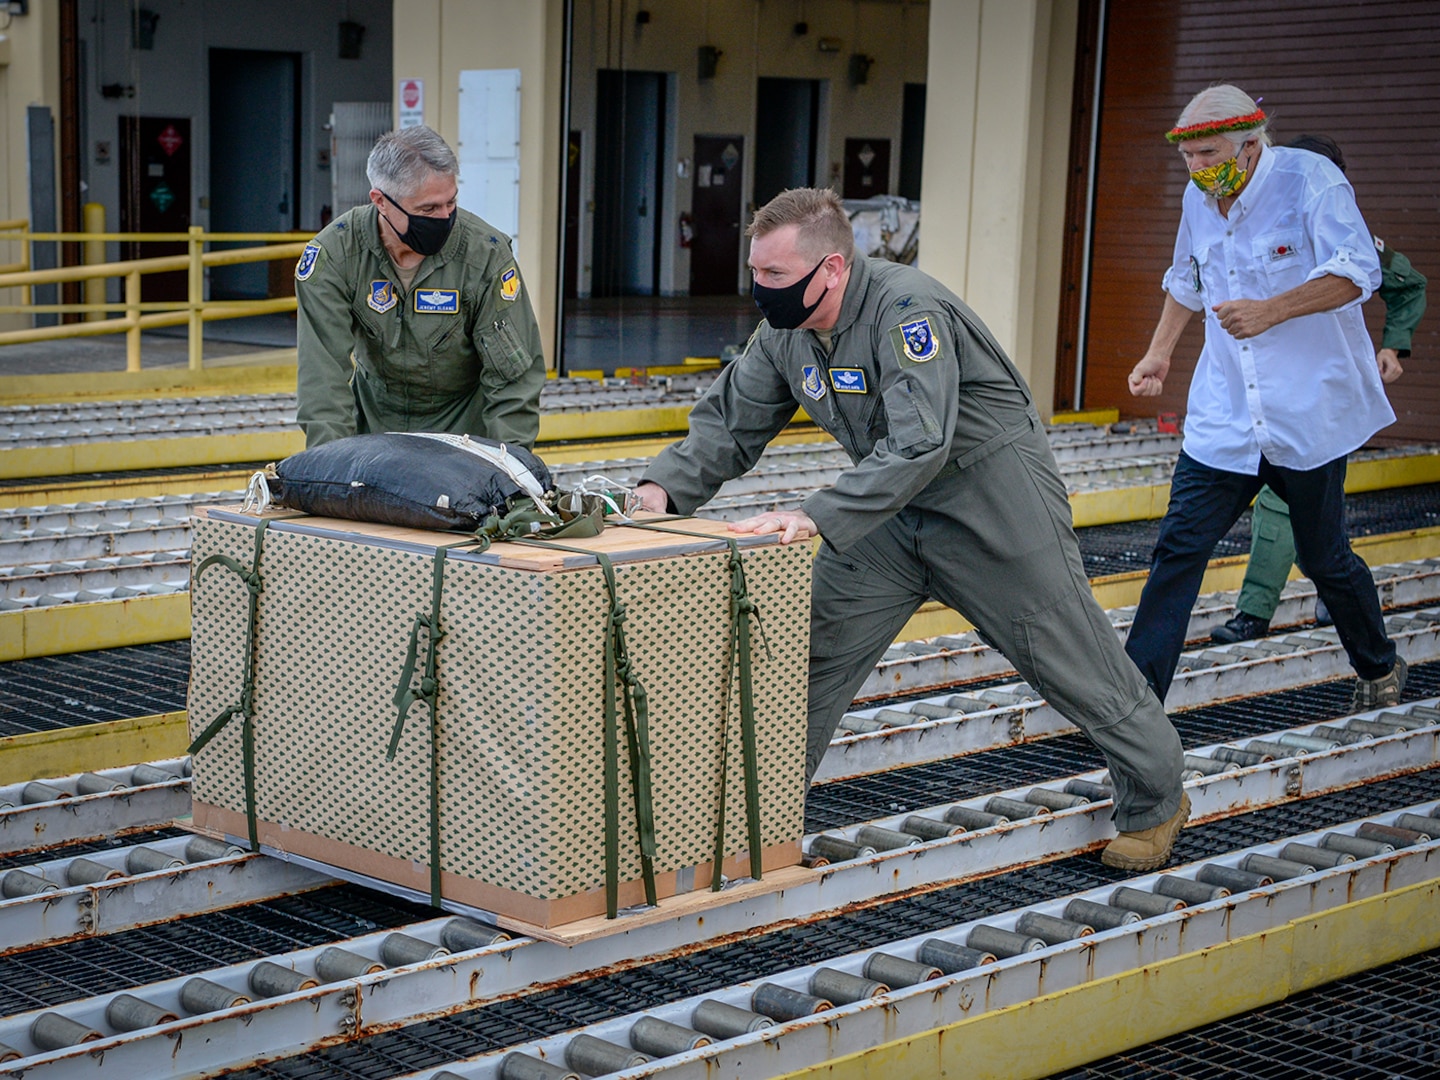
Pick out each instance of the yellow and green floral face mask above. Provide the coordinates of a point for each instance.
(1220, 181)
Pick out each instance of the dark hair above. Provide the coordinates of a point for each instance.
(1319, 144)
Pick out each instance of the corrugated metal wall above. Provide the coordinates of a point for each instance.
(1364, 73)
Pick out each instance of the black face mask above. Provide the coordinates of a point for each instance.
(785, 309)
(423, 235)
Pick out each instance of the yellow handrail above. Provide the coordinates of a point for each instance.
(137, 315)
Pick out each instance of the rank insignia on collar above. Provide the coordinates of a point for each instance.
(510, 284)
(810, 382)
(437, 301)
(920, 343)
(306, 266)
(849, 380)
(382, 296)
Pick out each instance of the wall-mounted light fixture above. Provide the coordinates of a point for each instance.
(351, 35)
(828, 44)
(142, 29)
(860, 65)
(709, 60)
(642, 17)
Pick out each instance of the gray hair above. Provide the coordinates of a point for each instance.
(1222, 102)
(400, 160)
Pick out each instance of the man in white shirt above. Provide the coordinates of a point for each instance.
(1273, 251)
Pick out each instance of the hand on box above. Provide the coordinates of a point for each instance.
(790, 524)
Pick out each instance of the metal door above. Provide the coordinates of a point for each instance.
(715, 205)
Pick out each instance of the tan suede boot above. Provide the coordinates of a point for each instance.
(1148, 849)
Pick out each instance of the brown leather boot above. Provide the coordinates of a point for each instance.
(1148, 849)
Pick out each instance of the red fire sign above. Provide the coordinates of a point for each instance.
(169, 140)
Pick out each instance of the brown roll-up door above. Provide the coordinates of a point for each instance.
(1363, 73)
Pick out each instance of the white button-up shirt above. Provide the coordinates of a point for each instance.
(1308, 390)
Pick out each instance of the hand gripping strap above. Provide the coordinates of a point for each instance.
(429, 692)
(635, 702)
(742, 607)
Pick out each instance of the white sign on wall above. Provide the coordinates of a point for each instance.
(412, 102)
(489, 146)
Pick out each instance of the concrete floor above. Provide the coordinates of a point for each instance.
(632, 331)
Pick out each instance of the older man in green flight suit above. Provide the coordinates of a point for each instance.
(953, 493)
(412, 312)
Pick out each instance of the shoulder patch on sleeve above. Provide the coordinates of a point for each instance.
(510, 284)
(309, 259)
(914, 342)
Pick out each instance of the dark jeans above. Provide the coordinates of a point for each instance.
(1204, 503)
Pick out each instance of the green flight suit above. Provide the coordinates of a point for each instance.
(1272, 543)
(457, 352)
(953, 493)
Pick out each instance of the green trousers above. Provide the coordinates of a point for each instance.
(996, 543)
(1272, 553)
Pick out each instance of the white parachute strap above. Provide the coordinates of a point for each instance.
(499, 456)
(606, 490)
(257, 494)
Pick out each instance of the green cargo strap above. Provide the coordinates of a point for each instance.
(525, 520)
(245, 707)
(738, 641)
(429, 692)
(619, 668)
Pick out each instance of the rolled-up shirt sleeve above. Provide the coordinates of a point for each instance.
(1182, 277)
(1342, 242)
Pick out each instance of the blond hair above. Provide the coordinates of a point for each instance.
(822, 226)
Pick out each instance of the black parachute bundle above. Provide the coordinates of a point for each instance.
(413, 479)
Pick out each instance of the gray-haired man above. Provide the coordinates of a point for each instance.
(412, 313)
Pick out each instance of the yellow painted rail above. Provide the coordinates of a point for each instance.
(92, 746)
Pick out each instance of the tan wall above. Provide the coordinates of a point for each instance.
(30, 77)
(996, 139)
(435, 40)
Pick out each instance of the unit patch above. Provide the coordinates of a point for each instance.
(1195, 273)
(382, 296)
(920, 343)
(849, 380)
(437, 301)
(509, 284)
(306, 266)
(1282, 251)
(810, 383)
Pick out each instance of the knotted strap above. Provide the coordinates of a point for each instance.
(737, 646)
(245, 707)
(429, 692)
(635, 704)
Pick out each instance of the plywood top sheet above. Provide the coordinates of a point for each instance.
(621, 543)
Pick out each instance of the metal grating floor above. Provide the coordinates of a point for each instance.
(1378, 1025)
(503, 1024)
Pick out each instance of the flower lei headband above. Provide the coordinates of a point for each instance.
(1216, 127)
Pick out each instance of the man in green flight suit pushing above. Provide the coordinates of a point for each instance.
(412, 312)
(953, 493)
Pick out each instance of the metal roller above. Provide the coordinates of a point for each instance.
(721, 1021)
(1344, 736)
(268, 979)
(142, 775)
(842, 988)
(1051, 930)
(967, 817)
(1192, 892)
(1305, 742)
(51, 1031)
(1003, 943)
(782, 1003)
(23, 883)
(205, 848)
(873, 836)
(1100, 916)
(861, 725)
(950, 958)
(1014, 809)
(8, 1053)
(1091, 790)
(147, 860)
(35, 792)
(898, 718)
(199, 996)
(1243, 758)
(462, 935)
(596, 1057)
(126, 1012)
(1389, 834)
(897, 971)
(1271, 751)
(1315, 856)
(1373, 727)
(526, 1067)
(1405, 720)
(83, 871)
(838, 849)
(1355, 845)
(1147, 904)
(1428, 826)
(660, 1038)
(1228, 877)
(400, 949)
(930, 711)
(94, 784)
(1209, 766)
(965, 705)
(929, 829)
(1055, 800)
(334, 964)
(1279, 869)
